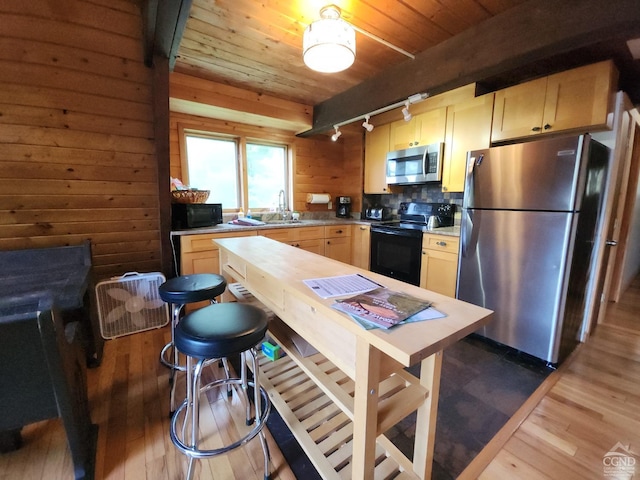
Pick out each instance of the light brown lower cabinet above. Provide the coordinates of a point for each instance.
(439, 268)
(198, 254)
(360, 246)
(337, 243)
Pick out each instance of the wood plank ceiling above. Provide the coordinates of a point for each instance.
(257, 46)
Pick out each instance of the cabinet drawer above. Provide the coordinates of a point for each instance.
(202, 242)
(293, 234)
(309, 233)
(443, 243)
(337, 231)
(280, 234)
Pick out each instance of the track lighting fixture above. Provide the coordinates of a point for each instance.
(366, 123)
(405, 112)
(418, 97)
(336, 135)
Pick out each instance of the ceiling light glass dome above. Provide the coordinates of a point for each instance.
(329, 44)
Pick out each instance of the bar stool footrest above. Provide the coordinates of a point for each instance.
(199, 454)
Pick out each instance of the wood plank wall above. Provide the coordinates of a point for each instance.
(77, 157)
(320, 165)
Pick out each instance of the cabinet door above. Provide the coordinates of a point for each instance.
(438, 272)
(200, 262)
(430, 127)
(579, 98)
(468, 128)
(312, 245)
(360, 246)
(338, 248)
(375, 158)
(518, 110)
(423, 129)
(402, 134)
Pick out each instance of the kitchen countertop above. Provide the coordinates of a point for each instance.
(229, 227)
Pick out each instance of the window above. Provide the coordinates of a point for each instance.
(240, 174)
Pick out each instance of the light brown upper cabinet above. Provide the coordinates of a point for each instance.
(577, 99)
(468, 128)
(375, 157)
(423, 129)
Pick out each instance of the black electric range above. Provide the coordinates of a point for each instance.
(414, 217)
(396, 247)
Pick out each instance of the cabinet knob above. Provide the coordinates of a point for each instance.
(547, 126)
(328, 242)
(441, 244)
(363, 228)
(338, 231)
(536, 129)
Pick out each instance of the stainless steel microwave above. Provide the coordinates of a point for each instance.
(415, 165)
(195, 215)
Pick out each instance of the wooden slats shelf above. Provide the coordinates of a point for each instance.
(315, 399)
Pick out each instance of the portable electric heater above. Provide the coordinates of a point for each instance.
(130, 304)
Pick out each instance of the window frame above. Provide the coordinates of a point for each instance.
(241, 142)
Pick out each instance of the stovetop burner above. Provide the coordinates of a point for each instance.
(414, 216)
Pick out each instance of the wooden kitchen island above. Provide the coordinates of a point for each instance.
(340, 401)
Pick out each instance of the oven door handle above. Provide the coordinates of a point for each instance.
(397, 233)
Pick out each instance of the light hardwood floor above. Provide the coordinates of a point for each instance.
(587, 407)
(129, 397)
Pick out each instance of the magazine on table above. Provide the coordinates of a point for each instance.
(381, 307)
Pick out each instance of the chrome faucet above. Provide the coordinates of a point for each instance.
(282, 204)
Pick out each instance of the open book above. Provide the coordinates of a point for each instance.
(382, 307)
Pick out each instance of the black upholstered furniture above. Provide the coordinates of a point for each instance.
(218, 331)
(178, 292)
(65, 273)
(43, 376)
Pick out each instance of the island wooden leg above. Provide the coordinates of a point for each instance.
(365, 410)
(430, 370)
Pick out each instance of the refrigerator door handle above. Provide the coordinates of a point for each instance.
(466, 230)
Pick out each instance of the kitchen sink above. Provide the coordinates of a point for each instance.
(282, 222)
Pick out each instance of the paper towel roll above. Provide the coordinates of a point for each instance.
(318, 198)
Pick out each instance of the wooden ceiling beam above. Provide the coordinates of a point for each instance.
(528, 33)
(204, 98)
(164, 23)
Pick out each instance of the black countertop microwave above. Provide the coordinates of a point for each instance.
(415, 165)
(195, 215)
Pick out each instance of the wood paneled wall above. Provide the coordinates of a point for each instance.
(77, 155)
(319, 166)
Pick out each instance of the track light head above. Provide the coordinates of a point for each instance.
(405, 112)
(366, 124)
(336, 135)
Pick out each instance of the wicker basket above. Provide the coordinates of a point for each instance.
(190, 196)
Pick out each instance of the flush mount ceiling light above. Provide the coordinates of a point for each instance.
(329, 44)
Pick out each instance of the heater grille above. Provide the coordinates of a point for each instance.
(131, 303)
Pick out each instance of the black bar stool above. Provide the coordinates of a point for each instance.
(219, 331)
(177, 292)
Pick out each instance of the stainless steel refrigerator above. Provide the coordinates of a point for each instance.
(529, 220)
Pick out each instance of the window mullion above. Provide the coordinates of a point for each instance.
(242, 169)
